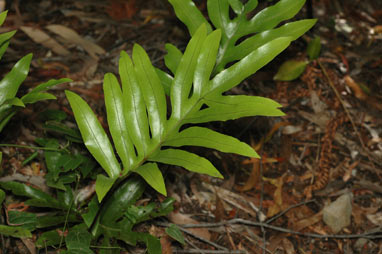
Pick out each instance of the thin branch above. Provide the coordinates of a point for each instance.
(200, 238)
(211, 251)
(289, 208)
(368, 235)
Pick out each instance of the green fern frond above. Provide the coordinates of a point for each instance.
(254, 32)
(137, 113)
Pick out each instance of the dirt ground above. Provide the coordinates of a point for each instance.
(327, 146)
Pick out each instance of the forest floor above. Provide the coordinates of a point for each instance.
(327, 146)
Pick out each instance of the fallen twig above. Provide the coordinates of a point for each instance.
(368, 235)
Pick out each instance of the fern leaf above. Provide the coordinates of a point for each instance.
(187, 160)
(225, 108)
(151, 173)
(141, 106)
(204, 137)
(94, 136)
(173, 57)
(134, 106)
(261, 27)
(117, 121)
(189, 14)
(152, 91)
(181, 86)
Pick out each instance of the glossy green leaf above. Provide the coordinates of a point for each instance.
(90, 215)
(55, 115)
(205, 63)
(189, 14)
(15, 231)
(3, 48)
(3, 15)
(293, 30)
(187, 160)
(121, 199)
(138, 214)
(48, 238)
(135, 110)
(117, 121)
(23, 219)
(173, 57)
(236, 73)
(153, 244)
(15, 102)
(152, 91)
(87, 166)
(273, 15)
(290, 70)
(153, 176)
(53, 82)
(62, 129)
(182, 83)
(5, 117)
(223, 108)
(237, 6)
(35, 97)
(11, 82)
(24, 190)
(4, 41)
(237, 27)
(29, 158)
(93, 134)
(103, 185)
(200, 136)
(46, 221)
(175, 233)
(314, 48)
(2, 193)
(78, 241)
(166, 80)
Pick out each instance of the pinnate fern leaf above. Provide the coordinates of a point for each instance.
(254, 32)
(142, 133)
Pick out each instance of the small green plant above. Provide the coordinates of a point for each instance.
(9, 85)
(137, 114)
(294, 68)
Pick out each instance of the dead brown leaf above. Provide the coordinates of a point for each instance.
(179, 218)
(73, 37)
(39, 36)
(165, 242)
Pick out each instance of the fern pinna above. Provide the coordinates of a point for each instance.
(142, 133)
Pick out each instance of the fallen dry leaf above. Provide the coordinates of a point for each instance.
(39, 36)
(357, 90)
(165, 242)
(307, 222)
(73, 37)
(179, 218)
(277, 195)
(254, 177)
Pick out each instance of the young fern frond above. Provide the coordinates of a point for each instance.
(137, 113)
